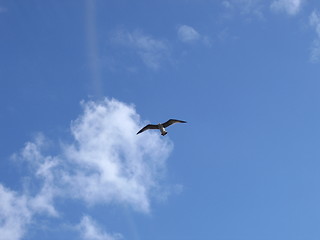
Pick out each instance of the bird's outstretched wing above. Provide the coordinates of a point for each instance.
(149, 126)
(172, 121)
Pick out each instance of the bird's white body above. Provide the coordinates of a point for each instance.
(162, 129)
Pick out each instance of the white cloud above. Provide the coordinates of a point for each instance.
(152, 51)
(314, 21)
(257, 7)
(15, 214)
(18, 210)
(245, 7)
(42, 168)
(188, 34)
(106, 162)
(226, 4)
(106, 156)
(291, 7)
(109, 159)
(90, 230)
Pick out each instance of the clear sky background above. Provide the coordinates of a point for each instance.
(78, 79)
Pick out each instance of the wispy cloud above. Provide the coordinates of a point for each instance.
(314, 21)
(188, 34)
(105, 155)
(42, 166)
(15, 214)
(90, 230)
(153, 52)
(226, 4)
(108, 158)
(258, 7)
(18, 210)
(245, 7)
(290, 7)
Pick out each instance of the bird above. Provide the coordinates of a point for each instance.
(161, 126)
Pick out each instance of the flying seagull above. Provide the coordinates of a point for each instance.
(161, 126)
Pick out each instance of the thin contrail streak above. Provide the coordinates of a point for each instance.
(92, 47)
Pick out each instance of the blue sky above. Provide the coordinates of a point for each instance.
(78, 79)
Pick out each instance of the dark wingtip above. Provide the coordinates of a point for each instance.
(181, 121)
